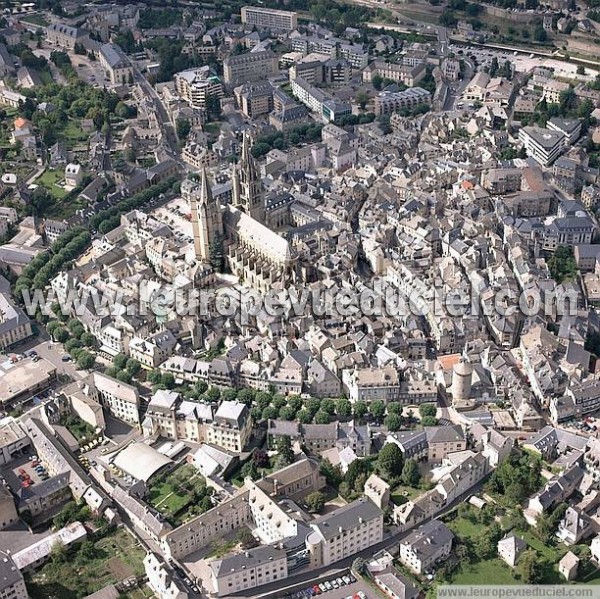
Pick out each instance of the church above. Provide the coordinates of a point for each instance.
(238, 232)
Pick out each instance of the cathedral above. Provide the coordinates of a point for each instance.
(258, 256)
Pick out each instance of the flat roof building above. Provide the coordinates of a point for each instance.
(269, 18)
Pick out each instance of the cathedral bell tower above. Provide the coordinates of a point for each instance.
(207, 220)
(247, 185)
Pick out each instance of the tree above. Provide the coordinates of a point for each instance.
(322, 417)
(390, 460)
(168, 380)
(377, 82)
(214, 394)
(246, 396)
(125, 111)
(183, 128)
(261, 458)
(562, 264)
(410, 473)
(486, 542)
(270, 413)
(287, 413)
(304, 416)
(393, 422)
(85, 360)
(394, 407)
(356, 475)
(249, 469)
(427, 409)
(528, 567)
(132, 366)
(216, 256)
(362, 99)
(333, 474)
(58, 552)
(245, 538)
(41, 200)
(284, 448)
(343, 407)
(328, 405)
(154, 377)
(540, 34)
(360, 409)
(315, 502)
(213, 107)
(581, 70)
(429, 421)
(120, 361)
(61, 335)
(359, 565)
(448, 18)
(88, 339)
(377, 409)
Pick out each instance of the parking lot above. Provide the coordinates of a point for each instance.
(23, 473)
(354, 590)
(523, 62)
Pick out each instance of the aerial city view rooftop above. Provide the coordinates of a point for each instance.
(299, 299)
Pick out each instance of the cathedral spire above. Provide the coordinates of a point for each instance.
(247, 184)
(206, 196)
(207, 220)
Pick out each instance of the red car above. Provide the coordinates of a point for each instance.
(317, 589)
(26, 483)
(21, 471)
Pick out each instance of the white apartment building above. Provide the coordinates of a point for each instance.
(344, 532)
(121, 399)
(232, 426)
(196, 86)
(268, 18)
(170, 416)
(161, 580)
(369, 384)
(12, 439)
(116, 64)
(14, 323)
(252, 66)
(154, 350)
(12, 584)
(426, 546)
(253, 568)
(543, 145)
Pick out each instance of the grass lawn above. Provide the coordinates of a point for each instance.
(221, 548)
(72, 132)
(464, 528)
(116, 556)
(180, 495)
(80, 429)
(49, 179)
(401, 494)
(213, 128)
(485, 572)
(550, 552)
(36, 20)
